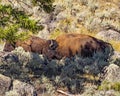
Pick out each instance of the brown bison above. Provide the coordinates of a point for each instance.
(34, 44)
(79, 44)
(66, 45)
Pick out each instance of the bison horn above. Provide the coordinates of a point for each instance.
(52, 44)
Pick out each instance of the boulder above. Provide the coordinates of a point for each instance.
(109, 35)
(116, 54)
(112, 73)
(5, 83)
(7, 57)
(23, 88)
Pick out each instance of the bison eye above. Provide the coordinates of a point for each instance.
(52, 47)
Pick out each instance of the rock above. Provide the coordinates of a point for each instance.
(106, 93)
(23, 88)
(109, 35)
(12, 93)
(5, 83)
(112, 73)
(44, 33)
(116, 54)
(8, 57)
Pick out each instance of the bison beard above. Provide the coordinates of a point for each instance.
(78, 44)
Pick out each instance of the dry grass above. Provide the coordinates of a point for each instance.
(94, 14)
(116, 45)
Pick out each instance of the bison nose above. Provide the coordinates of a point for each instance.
(52, 47)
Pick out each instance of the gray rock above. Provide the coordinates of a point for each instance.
(116, 54)
(12, 93)
(106, 93)
(109, 35)
(112, 73)
(44, 33)
(23, 88)
(5, 83)
(8, 57)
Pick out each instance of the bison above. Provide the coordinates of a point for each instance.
(66, 45)
(79, 44)
(34, 44)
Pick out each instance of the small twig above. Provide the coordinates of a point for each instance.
(65, 93)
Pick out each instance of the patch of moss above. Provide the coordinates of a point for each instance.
(110, 85)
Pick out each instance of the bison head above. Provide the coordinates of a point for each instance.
(52, 44)
(50, 49)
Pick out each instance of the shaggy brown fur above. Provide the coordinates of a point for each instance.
(66, 45)
(34, 44)
(79, 44)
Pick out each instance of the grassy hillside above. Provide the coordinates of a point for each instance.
(76, 75)
(87, 17)
(92, 14)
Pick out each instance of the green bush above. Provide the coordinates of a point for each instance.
(70, 73)
(11, 20)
